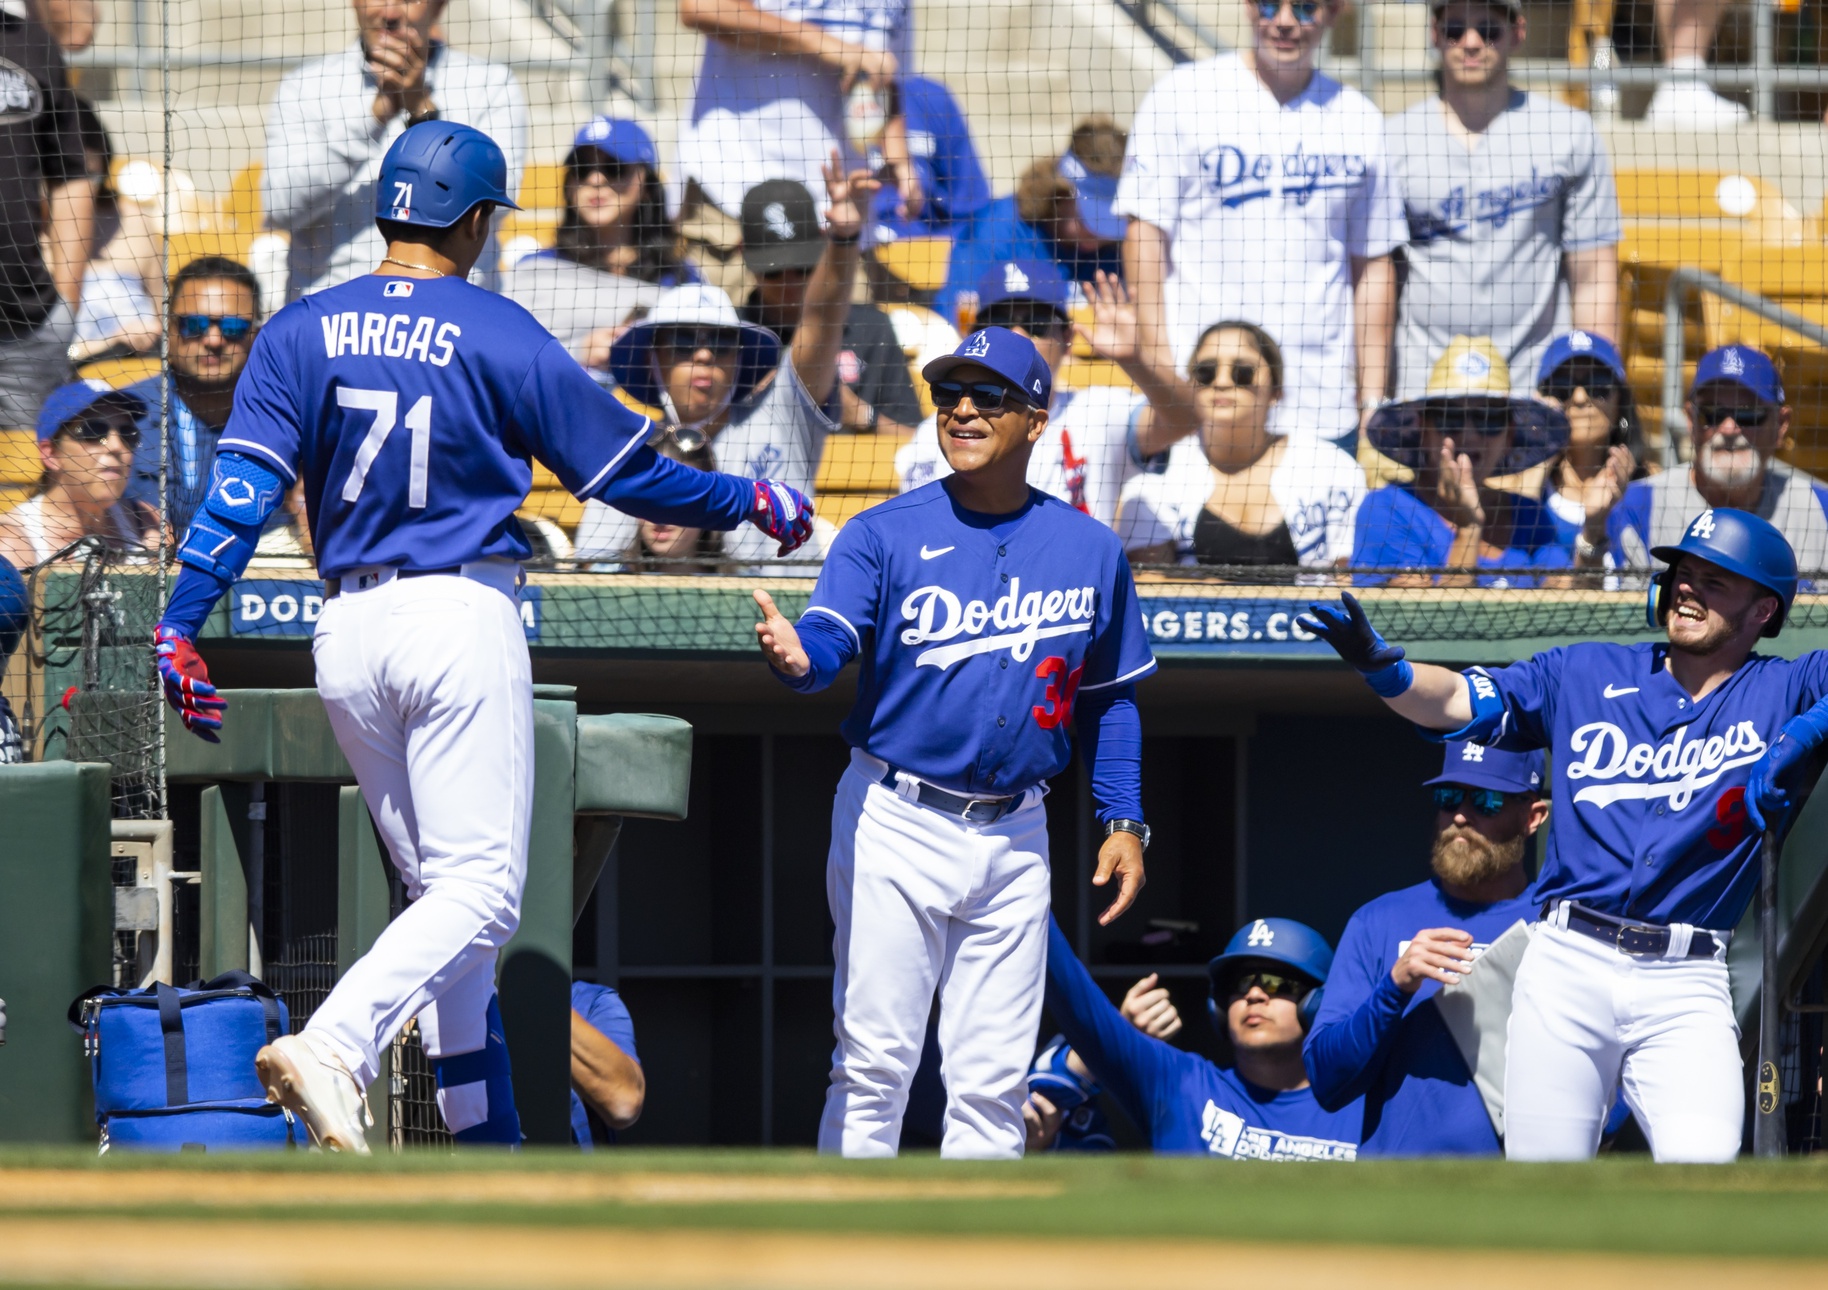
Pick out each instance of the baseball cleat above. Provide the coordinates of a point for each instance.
(301, 1074)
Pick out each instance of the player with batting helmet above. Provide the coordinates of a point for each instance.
(1669, 758)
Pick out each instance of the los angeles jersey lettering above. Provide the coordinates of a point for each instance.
(1650, 784)
(974, 647)
(411, 408)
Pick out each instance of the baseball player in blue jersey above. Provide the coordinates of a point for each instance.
(1668, 759)
(1265, 990)
(1378, 1034)
(410, 403)
(988, 617)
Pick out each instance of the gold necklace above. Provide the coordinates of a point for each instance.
(423, 268)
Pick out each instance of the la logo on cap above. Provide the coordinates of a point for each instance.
(1261, 933)
(1472, 752)
(1580, 342)
(1473, 364)
(1014, 279)
(1731, 363)
(599, 129)
(977, 347)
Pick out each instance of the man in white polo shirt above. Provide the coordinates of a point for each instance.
(1257, 188)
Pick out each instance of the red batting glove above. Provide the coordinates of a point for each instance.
(186, 682)
(784, 513)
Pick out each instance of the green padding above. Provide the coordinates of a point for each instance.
(634, 764)
(56, 924)
(266, 735)
(1802, 910)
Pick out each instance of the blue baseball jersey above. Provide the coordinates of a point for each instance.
(1649, 819)
(1392, 1049)
(1396, 529)
(411, 408)
(976, 634)
(1184, 1103)
(603, 1008)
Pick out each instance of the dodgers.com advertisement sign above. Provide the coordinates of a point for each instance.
(283, 607)
(1202, 625)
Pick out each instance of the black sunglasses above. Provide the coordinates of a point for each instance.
(719, 340)
(1487, 421)
(615, 173)
(1712, 414)
(232, 326)
(1206, 371)
(1598, 382)
(1274, 984)
(1485, 801)
(1491, 30)
(1307, 12)
(986, 396)
(96, 429)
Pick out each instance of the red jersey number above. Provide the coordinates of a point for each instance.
(1062, 688)
(1735, 823)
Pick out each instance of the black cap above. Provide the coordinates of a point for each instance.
(780, 228)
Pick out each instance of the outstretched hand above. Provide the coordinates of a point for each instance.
(1121, 854)
(1351, 634)
(779, 641)
(1114, 333)
(849, 198)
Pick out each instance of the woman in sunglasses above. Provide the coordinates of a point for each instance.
(614, 252)
(86, 438)
(1465, 433)
(1583, 377)
(1243, 496)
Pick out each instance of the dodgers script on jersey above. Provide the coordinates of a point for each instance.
(1650, 819)
(977, 632)
(409, 457)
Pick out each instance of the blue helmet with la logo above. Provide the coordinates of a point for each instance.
(1272, 942)
(1738, 542)
(436, 171)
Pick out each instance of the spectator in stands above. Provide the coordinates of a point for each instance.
(1096, 438)
(1378, 1035)
(614, 252)
(1583, 376)
(781, 85)
(334, 119)
(1513, 217)
(215, 315)
(1061, 211)
(782, 247)
(1262, 1109)
(674, 548)
(15, 617)
(86, 438)
(1686, 31)
(722, 380)
(125, 278)
(71, 22)
(1239, 495)
(950, 186)
(1257, 188)
(608, 1089)
(48, 198)
(1464, 431)
(1737, 421)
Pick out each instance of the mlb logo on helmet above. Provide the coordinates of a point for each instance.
(1014, 279)
(978, 348)
(1261, 934)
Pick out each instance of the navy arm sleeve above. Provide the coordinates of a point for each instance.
(651, 487)
(193, 595)
(1110, 739)
(1134, 1067)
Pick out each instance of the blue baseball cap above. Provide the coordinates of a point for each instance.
(1478, 766)
(1274, 940)
(1038, 280)
(621, 139)
(68, 402)
(1093, 193)
(1580, 344)
(1012, 357)
(1742, 365)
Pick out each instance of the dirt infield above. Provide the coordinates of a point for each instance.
(330, 1256)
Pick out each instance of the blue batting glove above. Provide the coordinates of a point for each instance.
(1054, 1080)
(783, 512)
(1767, 796)
(1356, 641)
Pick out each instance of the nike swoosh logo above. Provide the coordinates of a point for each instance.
(1612, 693)
(928, 555)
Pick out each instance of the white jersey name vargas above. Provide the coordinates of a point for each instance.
(1226, 1134)
(389, 336)
(938, 615)
(1681, 768)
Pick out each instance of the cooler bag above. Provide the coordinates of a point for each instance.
(174, 1066)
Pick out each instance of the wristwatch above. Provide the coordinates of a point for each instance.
(430, 114)
(1136, 827)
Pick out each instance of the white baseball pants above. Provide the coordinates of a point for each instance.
(924, 900)
(430, 693)
(1588, 1021)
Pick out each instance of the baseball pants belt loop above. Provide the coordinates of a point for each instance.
(972, 810)
(1638, 940)
(364, 579)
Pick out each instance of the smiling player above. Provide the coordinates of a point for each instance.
(987, 616)
(1653, 852)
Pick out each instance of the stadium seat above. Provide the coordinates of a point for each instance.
(1796, 278)
(858, 463)
(1689, 195)
(839, 508)
(1083, 373)
(232, 243)
(120, 372)
(20, 465)
(920, 262)
(542, 188)
(240, 207)
(550, 501)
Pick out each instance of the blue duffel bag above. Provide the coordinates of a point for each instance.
(174, 1066)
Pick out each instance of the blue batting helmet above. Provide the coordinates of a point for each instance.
(1738, 542)
(1272, 940)
(436, 171)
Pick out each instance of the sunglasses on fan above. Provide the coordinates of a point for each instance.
(96, 429)
(691, 339)
(1307, 12)
(1745, 418)
(233, 327)
(1206, 372)
(1491, 30)
(1597, 381)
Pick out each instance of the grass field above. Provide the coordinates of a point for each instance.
(745, 1219)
